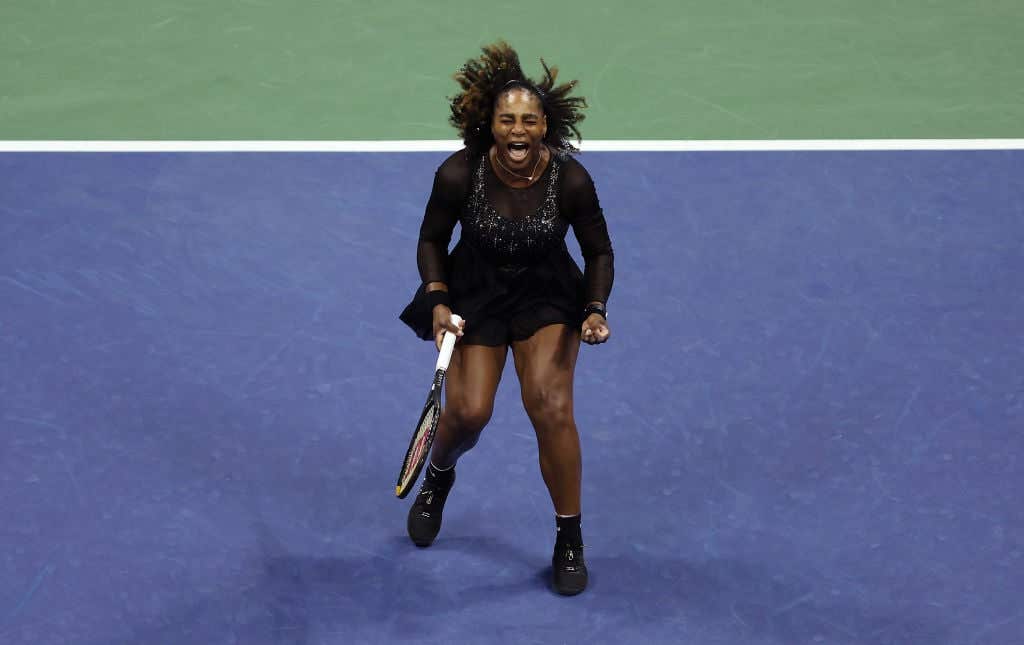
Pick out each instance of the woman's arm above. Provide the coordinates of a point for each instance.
(439, 221)
(591, 231)
(583, 210)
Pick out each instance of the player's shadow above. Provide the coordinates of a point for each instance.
(389, 591)
(362, 592)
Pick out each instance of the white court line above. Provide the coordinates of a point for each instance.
(444, 145)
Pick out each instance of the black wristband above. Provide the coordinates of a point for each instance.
(595, 309)
(438, 297)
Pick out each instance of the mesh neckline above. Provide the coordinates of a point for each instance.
(540, 196)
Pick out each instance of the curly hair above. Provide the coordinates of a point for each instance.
(483, 80)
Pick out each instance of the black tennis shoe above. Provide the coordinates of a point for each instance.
(425, 513)
(568, 569)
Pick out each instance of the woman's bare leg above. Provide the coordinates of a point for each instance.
(471, 383)
(545, 364)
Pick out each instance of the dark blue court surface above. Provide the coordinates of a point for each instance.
(805, 429)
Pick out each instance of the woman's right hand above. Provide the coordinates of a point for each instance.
(443, 322)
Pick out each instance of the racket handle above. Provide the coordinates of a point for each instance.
(447, 346)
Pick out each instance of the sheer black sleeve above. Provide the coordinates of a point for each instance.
(583, 210)
(451, 182)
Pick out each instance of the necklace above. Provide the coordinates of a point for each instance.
(533, 173)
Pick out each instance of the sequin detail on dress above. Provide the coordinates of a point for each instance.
(514, 243)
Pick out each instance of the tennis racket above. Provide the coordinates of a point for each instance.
(423, 436)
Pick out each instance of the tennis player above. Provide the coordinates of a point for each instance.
(516, 190)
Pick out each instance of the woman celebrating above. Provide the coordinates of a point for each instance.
(516, 191)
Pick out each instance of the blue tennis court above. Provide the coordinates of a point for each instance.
(806, 428)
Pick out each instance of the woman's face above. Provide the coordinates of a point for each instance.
(519, 126)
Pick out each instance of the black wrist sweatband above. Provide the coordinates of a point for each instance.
(595, 309)
(438, 297)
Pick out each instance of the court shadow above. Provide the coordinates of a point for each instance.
(292, 599)
(361, 594)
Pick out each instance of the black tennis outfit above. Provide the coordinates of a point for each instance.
(511, 273)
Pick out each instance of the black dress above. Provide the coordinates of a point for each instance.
(511, 273)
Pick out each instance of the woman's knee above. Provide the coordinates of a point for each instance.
(548, 406)
(469, 417)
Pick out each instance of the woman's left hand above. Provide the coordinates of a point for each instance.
(595, 330)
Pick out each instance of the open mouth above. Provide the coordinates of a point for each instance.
(517, 151)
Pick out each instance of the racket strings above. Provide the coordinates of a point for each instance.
(420, 442)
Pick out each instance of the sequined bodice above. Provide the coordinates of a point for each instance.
(514, 242)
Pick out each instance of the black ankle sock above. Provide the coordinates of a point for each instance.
(569, 531)
(442, 478)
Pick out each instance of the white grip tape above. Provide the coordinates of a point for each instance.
(447, 346)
